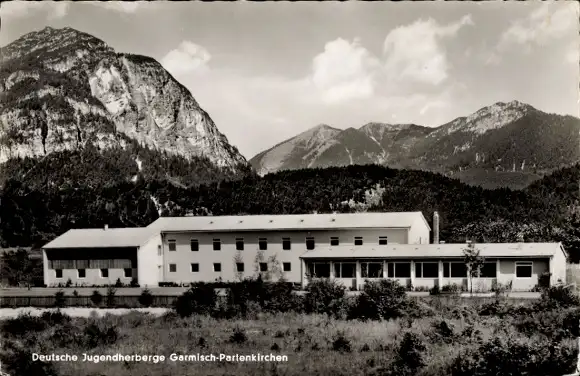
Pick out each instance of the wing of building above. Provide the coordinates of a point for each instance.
(350, 248)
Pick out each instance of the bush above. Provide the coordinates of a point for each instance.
(23, 324)
(512, 357)
(17, 360)
(111, 291)
(134, 283)
(59, 299)
(384, 299)
(200, 299)
(341, 343)
(96, 298)
(559, 296)
(238, 336)
(324, 296)
(119, 283)
(409, 358)
(95, 336)
(146, 298)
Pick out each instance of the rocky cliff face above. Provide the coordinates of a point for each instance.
(61, 89)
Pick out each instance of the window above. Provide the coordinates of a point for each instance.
(286, 244)
(217, 245)
(194, 245)
(82, 273)
(334, 241)
(287, 266)
(58, 273)
(240, 266)
(172, 245)
(524, 269)
(371, 269)
(319, 269)
(217, 267)
(263, 244)
(454, 270)
(309, 243)
(383, 240)
(426, 269)
(239, 244)
(358, 240)
(172, 268)
(344, 269)
(488, 270)
(263, 266)
(128, 272)
(159, 251)
(399, 270)
(104, 273)
(194, 268)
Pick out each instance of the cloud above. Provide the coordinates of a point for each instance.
(19, 9)
(188, 57)
(119, 6)
(414, 52)
(344, 71)
(551, 20)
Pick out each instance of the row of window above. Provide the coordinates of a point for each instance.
(263, 243)
(217, 267)
(403, 270)
(82, 273)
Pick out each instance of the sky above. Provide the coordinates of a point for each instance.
(267, 71)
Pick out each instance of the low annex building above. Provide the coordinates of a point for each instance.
(350, 248)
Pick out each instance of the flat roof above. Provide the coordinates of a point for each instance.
(288, 222)
(101, 238)
(455, 250)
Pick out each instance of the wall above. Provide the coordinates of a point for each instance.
(206, 256)
(149, 263)
(419, 232)
(508, 273)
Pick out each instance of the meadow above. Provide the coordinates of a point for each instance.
(325, 332)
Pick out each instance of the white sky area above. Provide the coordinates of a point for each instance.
(266, 71)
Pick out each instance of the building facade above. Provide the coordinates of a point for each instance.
(350, 248)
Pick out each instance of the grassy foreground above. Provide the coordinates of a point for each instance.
(381, 332)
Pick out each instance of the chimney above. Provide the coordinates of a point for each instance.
(106, 227)
(435, 228)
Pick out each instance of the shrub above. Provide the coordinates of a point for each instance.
(22, 324)
(544, 280)
(341, 343)
(324, 296)
(119, 283)
(409, 357)
(59, 299)
(200, 299)
(52, 318)
(443, 331)
(68, 283)
(451, 289)
(146, 298)
(434, 290)
(111, 291)
(17, 360)
(384, 299)
(238, 336)
(134, 283)
(96, 298)
(95, 336)
(558, 296)
(513, 357)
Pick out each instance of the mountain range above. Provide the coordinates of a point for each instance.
(62, 91)
(504, 144)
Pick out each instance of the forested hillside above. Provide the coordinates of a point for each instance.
(32, 214)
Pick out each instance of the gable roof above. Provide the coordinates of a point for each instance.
(434, 250)
(101, 238)
(288, 222)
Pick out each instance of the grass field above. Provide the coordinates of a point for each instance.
(314, 344)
